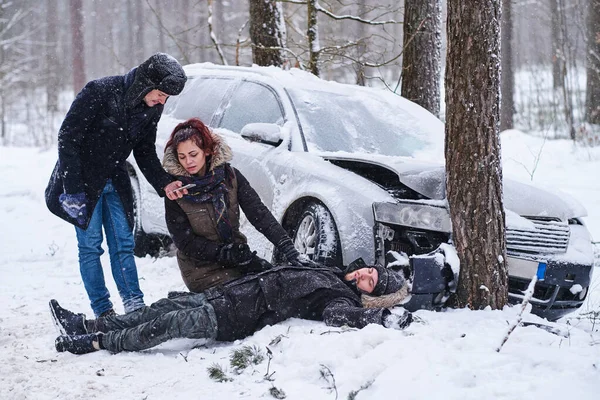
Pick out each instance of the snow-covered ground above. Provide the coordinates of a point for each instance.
(448, 355)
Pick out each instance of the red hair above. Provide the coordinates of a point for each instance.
(195, 130)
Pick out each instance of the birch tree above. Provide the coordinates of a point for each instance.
(472, 149)
(312, 35)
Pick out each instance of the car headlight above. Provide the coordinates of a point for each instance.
(414, 215)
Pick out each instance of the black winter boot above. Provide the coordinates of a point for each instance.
(78, 344)
(67, 322)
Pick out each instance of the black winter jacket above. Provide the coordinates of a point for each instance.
(247, 304)
(97, 135)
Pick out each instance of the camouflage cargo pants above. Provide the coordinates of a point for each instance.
(190, 316)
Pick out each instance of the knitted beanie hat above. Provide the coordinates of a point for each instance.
(160, 71)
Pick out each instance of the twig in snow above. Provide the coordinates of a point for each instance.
(277, 393)
(353, 393)
(329, 378)
(526, 298)
(269, 377)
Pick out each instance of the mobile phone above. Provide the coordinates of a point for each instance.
(191, 185)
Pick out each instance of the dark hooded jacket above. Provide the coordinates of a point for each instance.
(193, 226)
(247, 304)
(106, 122)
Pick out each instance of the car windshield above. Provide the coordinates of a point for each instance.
(375, 122)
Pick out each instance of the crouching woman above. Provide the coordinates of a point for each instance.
(204, 221)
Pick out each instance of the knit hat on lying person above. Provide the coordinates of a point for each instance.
(389, 281)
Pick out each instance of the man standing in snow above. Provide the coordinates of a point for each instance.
(90, 186)
(240, 307)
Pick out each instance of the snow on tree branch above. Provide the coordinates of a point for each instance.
(354, 18)
(341, 17)
(213, 37)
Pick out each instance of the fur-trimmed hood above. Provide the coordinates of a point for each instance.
(387, 300)
(222, 155)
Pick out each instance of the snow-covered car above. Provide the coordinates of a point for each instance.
(354, 172)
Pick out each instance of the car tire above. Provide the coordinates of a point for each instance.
(316, 235)
(151, 244)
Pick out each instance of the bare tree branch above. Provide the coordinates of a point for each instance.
(341, 17)
(163, 27)
(353, 18)
(238, 42)
(213, 37)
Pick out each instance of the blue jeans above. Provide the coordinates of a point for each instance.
(110, 213)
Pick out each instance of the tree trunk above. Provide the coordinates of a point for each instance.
(76, 8)
(202, 42)
(421, 60)
(139, 33)
(361, 48)
(312, 35)
(592, 99)
(97, 35)
(267, 32)
(473, 166)
(129, 23)
(557, 56)
(52, 85)
(185, 36)
(507, 105)
(161, 34)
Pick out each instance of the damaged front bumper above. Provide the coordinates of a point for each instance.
(563, 279)
(417, 229)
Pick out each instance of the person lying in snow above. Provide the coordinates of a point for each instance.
(241, 307)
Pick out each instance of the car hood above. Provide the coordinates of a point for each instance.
(429, 179)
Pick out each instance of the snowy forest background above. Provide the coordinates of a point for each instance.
(50, 48)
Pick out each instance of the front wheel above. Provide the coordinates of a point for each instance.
(316, 236)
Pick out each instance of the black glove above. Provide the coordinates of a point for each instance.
(398, 320)
(235, 254)
(286, 247)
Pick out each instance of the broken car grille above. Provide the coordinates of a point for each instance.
(545, 236)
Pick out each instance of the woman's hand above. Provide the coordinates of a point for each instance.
(173, 190)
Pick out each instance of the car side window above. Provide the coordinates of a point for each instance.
(252, 102)
(200, 98)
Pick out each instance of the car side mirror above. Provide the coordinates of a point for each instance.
(263, 133)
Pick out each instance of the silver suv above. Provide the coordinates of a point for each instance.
(354, 172)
